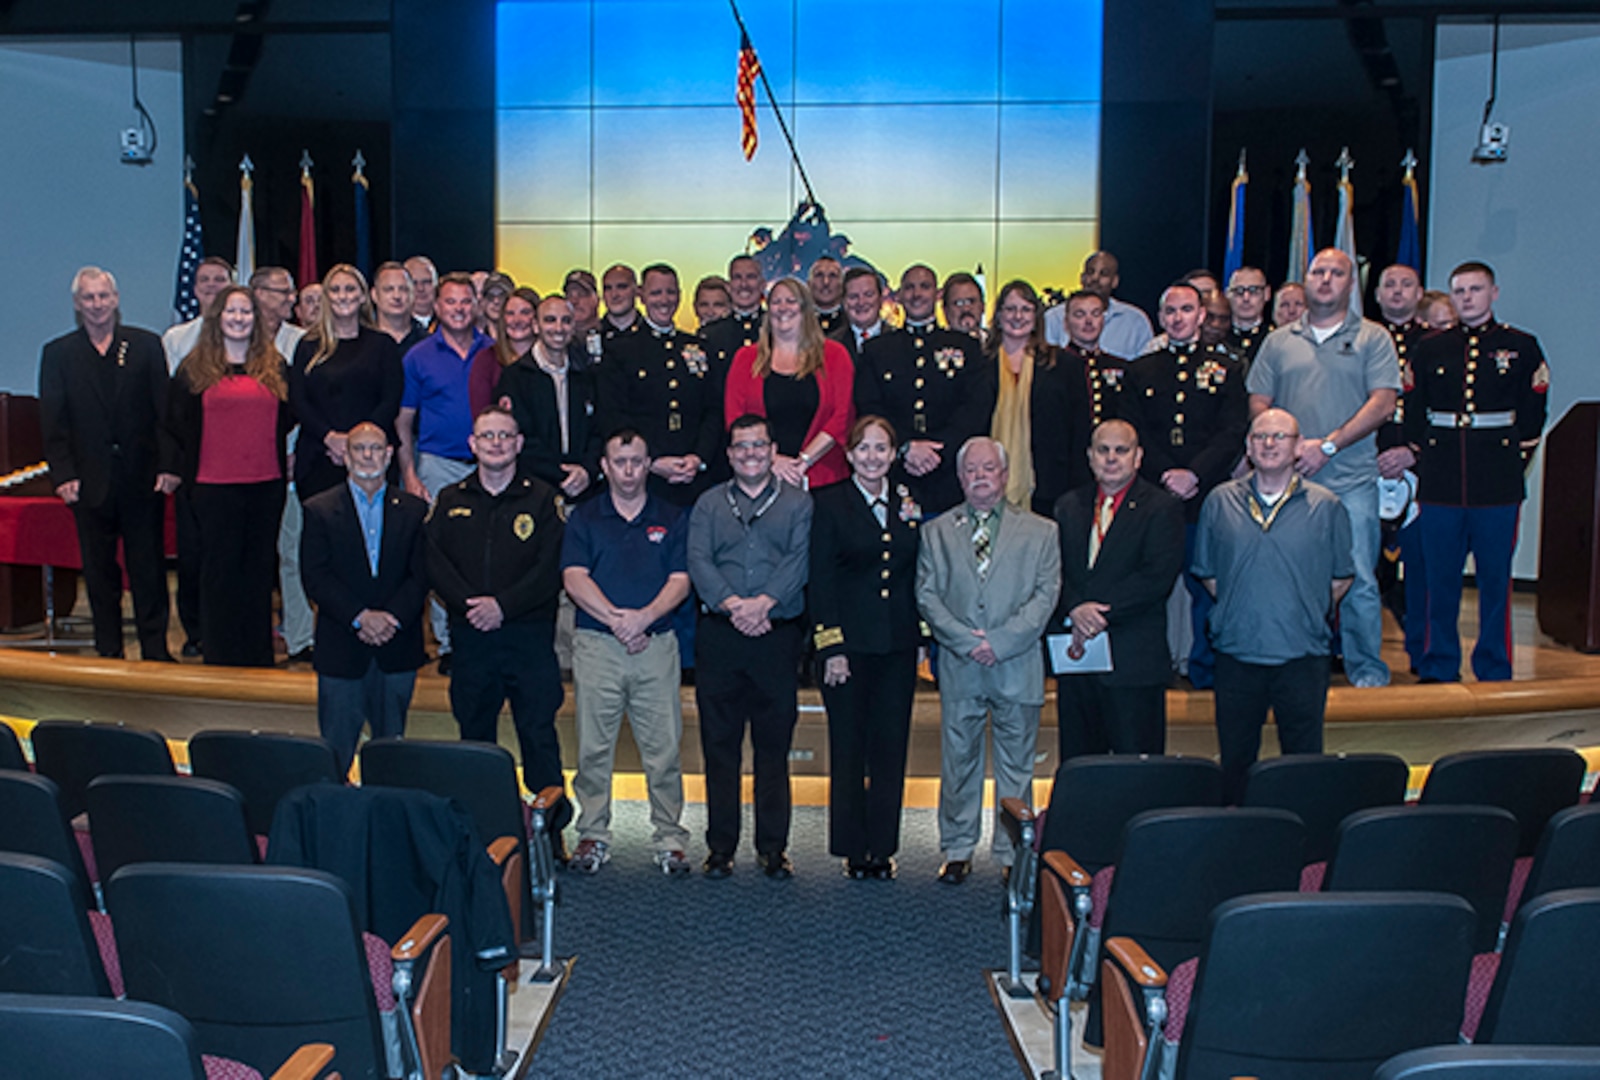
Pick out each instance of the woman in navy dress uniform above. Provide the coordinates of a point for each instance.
(864, 537)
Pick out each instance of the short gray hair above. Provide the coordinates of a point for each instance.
(961, 455)
(89, 272)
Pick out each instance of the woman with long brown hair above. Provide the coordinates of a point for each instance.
(1041, 415)
(802, 382)
(345, 371)
(228, 412)
(515, 332)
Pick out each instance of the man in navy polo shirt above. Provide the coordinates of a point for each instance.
(623, 563)
(435, 419)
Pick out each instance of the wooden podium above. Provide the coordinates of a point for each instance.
(1569, 537)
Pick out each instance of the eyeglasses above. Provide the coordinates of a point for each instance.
(966, 302)
(748, 446)
(495, 436)
(1246, 290)
(1271, 438)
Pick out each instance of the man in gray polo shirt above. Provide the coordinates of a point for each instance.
(1274, 549)
(1338, 374)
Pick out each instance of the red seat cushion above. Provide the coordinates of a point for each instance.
(1484, 968)
(1519, 881)
(261, 847)
(1180, 987)
(106, 941)
(1099, 893)
(80, 833)
(221, 1068)
(1311, 875)
(380, 966)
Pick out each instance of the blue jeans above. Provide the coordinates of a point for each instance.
(1361, 612)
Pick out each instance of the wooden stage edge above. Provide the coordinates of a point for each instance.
(1407, 702)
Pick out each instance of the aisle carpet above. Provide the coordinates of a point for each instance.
(818, 976)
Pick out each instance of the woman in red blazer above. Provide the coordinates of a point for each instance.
(802, 383)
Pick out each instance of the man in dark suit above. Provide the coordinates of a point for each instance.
(554, 404)
(863, 308)
(364, 564)
(102, 401)
(1121, 552)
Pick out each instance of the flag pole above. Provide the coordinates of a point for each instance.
(772, 100)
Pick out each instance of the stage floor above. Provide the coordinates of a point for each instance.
(1554, 699)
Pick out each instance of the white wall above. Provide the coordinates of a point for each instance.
(1535, 218)
(66, 200)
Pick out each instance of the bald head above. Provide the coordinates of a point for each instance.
(1114, 455)
(367, 455)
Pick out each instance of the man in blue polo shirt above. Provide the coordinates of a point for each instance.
(435, 419)
(623, 563)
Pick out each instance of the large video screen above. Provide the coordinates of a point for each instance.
(960, 133)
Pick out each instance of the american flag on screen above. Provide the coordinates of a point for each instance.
(193, 249)
(749, 71)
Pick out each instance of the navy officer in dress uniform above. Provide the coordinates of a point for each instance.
(728, 335)
(1104, 374)
(1399, 294)
(864, 609)
(494, 558)
(659, 383)
(1189, 405)
(933, 385)
(1475, 413)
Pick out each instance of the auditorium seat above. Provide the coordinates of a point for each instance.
(47, 944)
(33, 822)
(1313, 986)
(1568, 857)
(74, 752)
(134, 819)
(263, 766)
(71, 1038)
(1545, 987)
(1464, 850)
(11, 755)
(263, 959)
(1322, 790)
(1493, 1063)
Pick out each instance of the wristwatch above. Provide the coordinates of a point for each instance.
(1329, 447)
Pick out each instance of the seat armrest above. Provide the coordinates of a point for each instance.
(502, 848)
(1136, 963)
(423, 933)
(305, 1063)
(549, 797)
(424, 1002)
(1016, 808)
(1067, 869)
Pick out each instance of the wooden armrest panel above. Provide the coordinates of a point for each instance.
(503, 848)
(1137, 963)
(549, 797)
(305, 1063)
(1067, 869)
(1017, 808)
(430, 1014)
(423, 933)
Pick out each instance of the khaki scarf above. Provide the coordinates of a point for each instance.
(1011, 426)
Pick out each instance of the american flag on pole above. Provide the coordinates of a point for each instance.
(749, 72)
(193, 249)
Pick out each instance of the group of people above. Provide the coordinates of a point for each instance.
(799, 478)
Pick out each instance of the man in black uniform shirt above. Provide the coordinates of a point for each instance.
(934, 385)
(1248, 295)
(826, 281)
(1475, 414)
(102, 400)
(727, 336)
(863, 308)
(587, 338)
(621, 291)
(1105, 374)
(659, 383)
(1399, 293)
(494, 558)
(961, 299)
(1189, 405)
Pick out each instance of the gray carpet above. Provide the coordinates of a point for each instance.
(818, 976)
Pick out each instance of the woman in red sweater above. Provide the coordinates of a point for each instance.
(802, 382)
(228, 412)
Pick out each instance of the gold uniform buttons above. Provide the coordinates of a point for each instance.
(886, 559)
(921, 361)
(918, 383)
(672, 404)
(884, 593)
(885, 538)
(1471, 378)
(672, 363)
(1472, 353)
(885, 574)
(917, 405)
(1180, 397)
(918, 344)
(1177, 418)
(1183, 376)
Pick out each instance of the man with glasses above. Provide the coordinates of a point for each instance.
(1274, 549)
(749, 550)
(1248, 295)
(934, 385)
(494, 558)
(962, 302)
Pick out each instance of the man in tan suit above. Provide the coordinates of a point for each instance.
(988, 574)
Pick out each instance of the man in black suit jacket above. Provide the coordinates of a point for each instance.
(102, 403)
(1121, 552)
(555, 407)
(364, 564)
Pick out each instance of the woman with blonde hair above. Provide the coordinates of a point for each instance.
(228, 413)
(802, 382)
(345, 371)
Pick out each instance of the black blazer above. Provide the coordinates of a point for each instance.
(338, 579)
(1058, 415)
(186, 425)
(103, 415)
(533, 403)
(850, 575)
(1139, 563)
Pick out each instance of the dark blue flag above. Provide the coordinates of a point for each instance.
(190, 253)
(363, 223)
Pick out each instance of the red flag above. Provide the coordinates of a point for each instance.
(749, 71)
(308, 231)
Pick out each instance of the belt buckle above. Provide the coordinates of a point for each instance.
(1463, 420)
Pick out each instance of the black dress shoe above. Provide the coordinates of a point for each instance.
(881, 869)
(955, 872)
(777, 866)
(718, 864)
(444, 663)
(191, 650)
(857, 869)
(162, 657)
